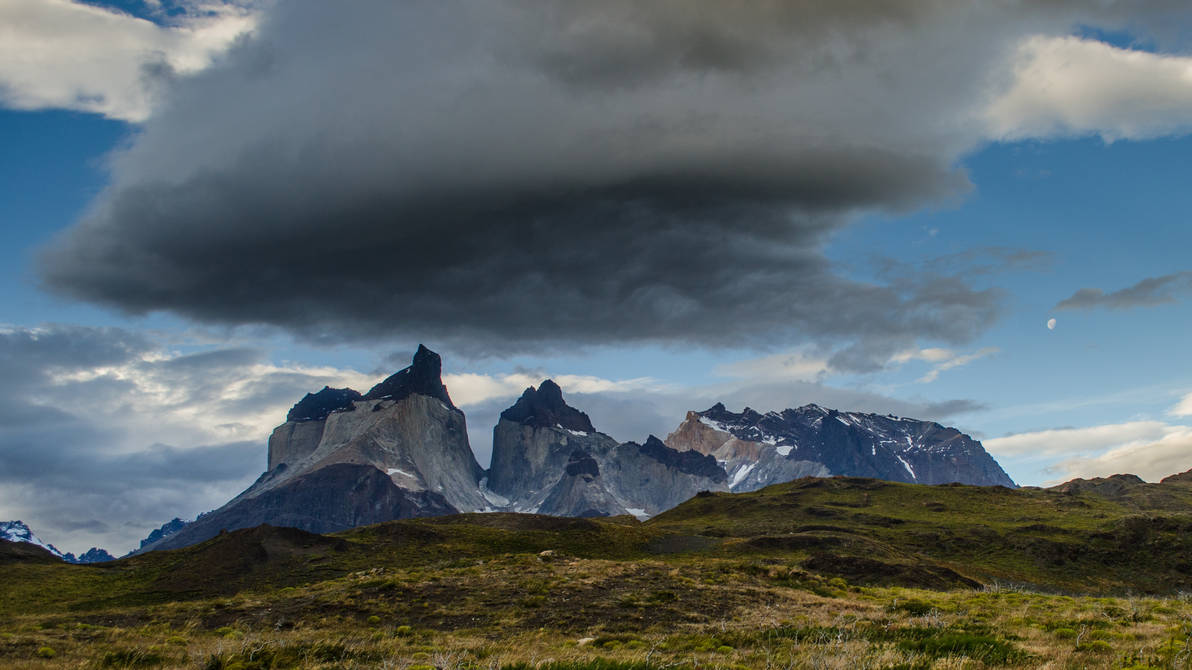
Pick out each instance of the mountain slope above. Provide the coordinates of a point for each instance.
(761, 449)
(548, 458)
(18, 531)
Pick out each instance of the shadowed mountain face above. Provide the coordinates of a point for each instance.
(549, 459)
(330, 499)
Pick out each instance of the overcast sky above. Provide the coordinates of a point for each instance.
(210, 208)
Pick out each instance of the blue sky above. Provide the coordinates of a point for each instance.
(202, 227)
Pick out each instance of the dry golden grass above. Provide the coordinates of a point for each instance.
(607, 615)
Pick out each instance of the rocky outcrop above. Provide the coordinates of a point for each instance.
(423, 377)
(1113, 486)
(1180, 478)
(580, 492)
(167, 529)
(324, 461)
(762, 449)
(92, 555)
(653, 478)
(750, 465)
(549, 459)
(544, 408)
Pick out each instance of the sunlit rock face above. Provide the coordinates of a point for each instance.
(344, 459)
(757, 449)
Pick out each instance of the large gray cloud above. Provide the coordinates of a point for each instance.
(509, 175)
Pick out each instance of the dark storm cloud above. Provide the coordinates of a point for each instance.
(510, 175)
(1146, 293)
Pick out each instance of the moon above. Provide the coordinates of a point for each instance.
(1051, 324)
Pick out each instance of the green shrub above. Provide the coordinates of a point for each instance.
(46, 652)
(913, 607)
(982, 648)
(1095, 647)
(131, 658)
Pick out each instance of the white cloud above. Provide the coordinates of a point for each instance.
(1151, 460)
(471, 389)
(69, 55)
(1079, 441)
(1183, 407)
(797, 365)
(193, 399)
(1150, 449)
(932, 355)
(1068, 86)
(953, 361)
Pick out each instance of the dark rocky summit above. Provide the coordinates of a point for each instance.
(424, 377)
(544, 408)
(92, 555)
(318, 406)
(167, 529)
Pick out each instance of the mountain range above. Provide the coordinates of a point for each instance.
(344, 459)
(20, 533)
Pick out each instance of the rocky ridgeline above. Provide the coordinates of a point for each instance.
(20, 533)
(762, 449)
(344, 459)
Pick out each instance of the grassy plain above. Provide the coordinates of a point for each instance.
(817, 573)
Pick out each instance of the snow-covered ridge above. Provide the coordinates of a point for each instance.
(17, 531)
(859, 444)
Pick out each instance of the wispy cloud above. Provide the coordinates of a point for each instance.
(1146, 293)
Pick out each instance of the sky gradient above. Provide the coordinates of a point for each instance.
(211, 208)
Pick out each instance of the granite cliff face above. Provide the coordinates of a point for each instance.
(762, 449)
(343, 459)
(549, 459)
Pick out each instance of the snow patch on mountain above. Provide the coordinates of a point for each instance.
(17, 531)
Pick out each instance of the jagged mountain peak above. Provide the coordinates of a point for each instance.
(92, 555)
(19, 531)
(544, 407)
(318, 406)
(423, 376)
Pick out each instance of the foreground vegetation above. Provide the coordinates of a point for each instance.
(813, 574)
